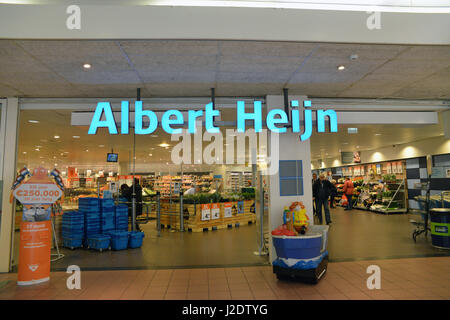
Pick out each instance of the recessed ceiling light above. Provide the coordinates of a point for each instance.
(38, 146)
(76, 137)
(150, 155)
(24, 152)
(87, 65)
(87, 150)
(33, 121)
(37, 149)
(101, 145)
(352, 130)
(344, 142)
(357, 147)
(340, 68)
(378, 134)
(164, 145)
(56, 137)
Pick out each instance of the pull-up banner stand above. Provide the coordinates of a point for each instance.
(37, 193)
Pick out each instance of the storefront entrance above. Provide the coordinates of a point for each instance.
(219, 226)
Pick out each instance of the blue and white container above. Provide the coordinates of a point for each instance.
(303, 251)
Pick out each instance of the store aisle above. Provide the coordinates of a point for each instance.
(417, 279)
(358, 235)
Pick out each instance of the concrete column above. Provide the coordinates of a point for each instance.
(9, 175)
(289, 147)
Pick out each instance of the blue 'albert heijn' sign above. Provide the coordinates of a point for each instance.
(275, 119)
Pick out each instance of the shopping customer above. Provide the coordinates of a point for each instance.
(348, 191)
(333, 193)
(314, 179)
(321, 193)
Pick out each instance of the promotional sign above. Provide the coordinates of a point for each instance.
(362, 170)
(215, 211)
(399, 167)
(388, 168)
(346, 157)
(37, 193)
(394, 167)
(227, 209)
(378, 168)
(240, 207)
(34, 252)
(356, 157)
(206, 211)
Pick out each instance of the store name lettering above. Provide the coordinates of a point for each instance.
(276, 119)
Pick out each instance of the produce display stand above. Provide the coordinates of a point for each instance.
(170, 217)
(394, 204)
(303, 258)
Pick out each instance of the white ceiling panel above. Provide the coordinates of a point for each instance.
(177, 77)
(165, 48)
(236, 68)
(266, 49)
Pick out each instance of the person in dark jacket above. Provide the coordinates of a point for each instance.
(314, 179)
(333, 193)
(128, 194)
(321, 192)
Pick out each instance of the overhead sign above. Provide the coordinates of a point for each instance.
(276, 120)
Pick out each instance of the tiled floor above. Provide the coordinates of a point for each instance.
(354, 235)
(417, 278)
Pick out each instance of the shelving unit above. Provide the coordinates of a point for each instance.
(394, 204)
(238, 179)
(166, 184)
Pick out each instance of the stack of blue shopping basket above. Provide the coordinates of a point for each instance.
(72, 229)
(90, 207)
(121, 218)
(107, 215)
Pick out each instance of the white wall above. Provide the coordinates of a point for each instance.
(433, 146)
(289, 148)
(226, 23)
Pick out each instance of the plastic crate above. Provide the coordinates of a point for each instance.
(119, 240)
(135, 239)
(99, 242)
(72, 243)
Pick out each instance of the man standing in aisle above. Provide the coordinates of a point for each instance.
(314, 179)
(348, 191)
(321, 193)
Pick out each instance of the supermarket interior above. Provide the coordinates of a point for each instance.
(220, 225)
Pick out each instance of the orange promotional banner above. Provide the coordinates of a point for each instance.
(34, 252)
(37, 192)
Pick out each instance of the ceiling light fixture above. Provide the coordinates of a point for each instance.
(33, 121)
(164, 145)
(37, 149)
(76, 137)
(340, 68)
(56, 137)
(87, 66)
